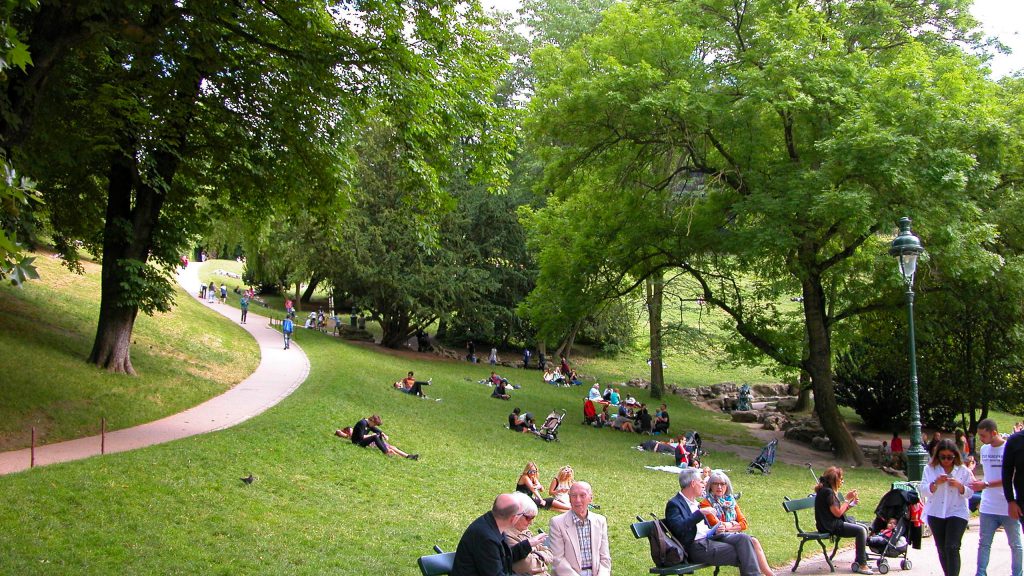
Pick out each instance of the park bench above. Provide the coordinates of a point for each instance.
(796, 506)
(642, 529)
(439, 564)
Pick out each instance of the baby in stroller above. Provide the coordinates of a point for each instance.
(890, 532)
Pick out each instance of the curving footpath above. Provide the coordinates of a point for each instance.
(280, 372)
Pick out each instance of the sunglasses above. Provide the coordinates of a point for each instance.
(946, 457)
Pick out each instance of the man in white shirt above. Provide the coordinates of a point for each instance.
(579, 538)
(994, 507)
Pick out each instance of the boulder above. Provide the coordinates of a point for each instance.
(821, 443)
(774, 421)
(745, 416)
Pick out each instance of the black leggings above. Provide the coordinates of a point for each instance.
(947, 533)
(858, 531)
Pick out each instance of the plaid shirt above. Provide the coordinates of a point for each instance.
(586, 548)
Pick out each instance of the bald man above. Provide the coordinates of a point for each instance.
(482, 549)
(579, 537)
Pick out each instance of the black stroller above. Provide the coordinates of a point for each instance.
(549, 429)
(763, 462)
(890, 532)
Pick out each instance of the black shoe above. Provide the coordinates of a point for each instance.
(413, 456)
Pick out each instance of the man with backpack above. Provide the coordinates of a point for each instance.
(287, 327)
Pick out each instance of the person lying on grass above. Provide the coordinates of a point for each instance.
(367, 432)
(410, 385)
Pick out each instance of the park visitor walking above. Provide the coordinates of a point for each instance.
(287, 327)
(945, 489)
(995, 510)
(243, 303)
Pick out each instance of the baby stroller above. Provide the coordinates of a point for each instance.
(693, 444)
(763, 462)
(589, 412)
(890, 539)
(549, 430)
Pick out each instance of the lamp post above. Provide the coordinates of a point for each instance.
(906, 248)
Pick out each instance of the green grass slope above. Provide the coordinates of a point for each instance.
(46, 333)
(323, 506)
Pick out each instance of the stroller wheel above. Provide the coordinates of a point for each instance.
(854, 567)
(906, 564)
(883, 566)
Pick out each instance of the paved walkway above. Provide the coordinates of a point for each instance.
(925, 561)
(280, 372)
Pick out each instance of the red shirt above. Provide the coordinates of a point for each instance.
(897, 445)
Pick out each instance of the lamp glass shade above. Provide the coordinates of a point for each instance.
(908, 265)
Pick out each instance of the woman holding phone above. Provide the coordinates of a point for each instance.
(830, 507)
(946, 490)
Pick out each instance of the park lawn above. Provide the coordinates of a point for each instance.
(46, 333)
(323, 506)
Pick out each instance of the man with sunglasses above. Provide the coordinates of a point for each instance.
(482, 550)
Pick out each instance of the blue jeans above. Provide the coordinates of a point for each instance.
(989, 523)
(287, 339)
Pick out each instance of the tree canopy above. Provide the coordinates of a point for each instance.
(781, 141)
(142, 121)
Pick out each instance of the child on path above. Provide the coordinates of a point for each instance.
(243, 303)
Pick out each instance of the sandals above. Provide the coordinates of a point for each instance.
(863, 569)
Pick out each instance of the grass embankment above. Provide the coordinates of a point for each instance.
(46, 333)
(323, 506)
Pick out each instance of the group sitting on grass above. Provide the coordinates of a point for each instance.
(367, 431)
(519, 421)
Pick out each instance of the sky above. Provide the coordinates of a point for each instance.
(1005, 20)
(1001, 18)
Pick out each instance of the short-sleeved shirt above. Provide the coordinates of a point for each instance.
(993, 501)
(825, 520)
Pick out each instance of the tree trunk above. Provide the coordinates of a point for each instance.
(565, 348)
(803, 399)
(308, 294)
(819, 365)
(127, 239)
(655, 299)
(442, 330)
(395, 330)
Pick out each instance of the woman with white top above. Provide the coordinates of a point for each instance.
(946, 489)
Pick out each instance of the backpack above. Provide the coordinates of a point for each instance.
(665, 550)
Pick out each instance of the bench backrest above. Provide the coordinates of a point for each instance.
(795, 506)
(642, 529)
(436, 564)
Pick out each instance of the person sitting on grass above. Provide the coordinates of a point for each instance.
(530, 485)
(559, 488)
(595, 395)
(495, 379)
(518, 422)
(410, 385)
(661, 420)
(623, 424)
(500, 391)
(367, 432)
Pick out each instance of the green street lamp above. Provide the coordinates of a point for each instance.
(906, 248)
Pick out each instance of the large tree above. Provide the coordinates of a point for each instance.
(810, 127)
(143, 119)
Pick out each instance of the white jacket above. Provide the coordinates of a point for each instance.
(946, 501)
